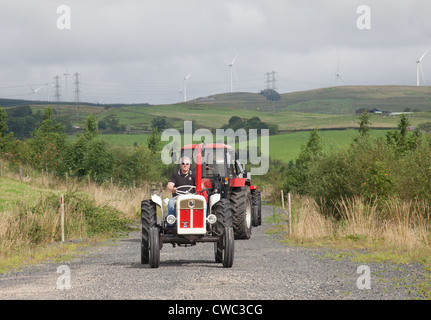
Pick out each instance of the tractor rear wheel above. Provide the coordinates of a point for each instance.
(256, 203)
(240, 200)
(148, 221)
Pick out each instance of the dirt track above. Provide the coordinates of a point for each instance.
(263, 268)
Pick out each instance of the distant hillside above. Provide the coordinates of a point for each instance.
(334, 100)
(326, 108)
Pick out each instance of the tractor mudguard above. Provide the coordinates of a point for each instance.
(157, 200)
(237, 182)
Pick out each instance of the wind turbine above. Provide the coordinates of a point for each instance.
(34, 91)
(337, 74)
(419, 69)
(232, 71)
(185, 86)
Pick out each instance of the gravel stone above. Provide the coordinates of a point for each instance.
(263, 269)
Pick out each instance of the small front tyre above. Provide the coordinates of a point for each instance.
(148, 220)
(154, 248)
(228, 247)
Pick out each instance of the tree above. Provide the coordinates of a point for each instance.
(270, 94)
(3, 122)
(47, 143)
(134, 167)
(102, 125)
(154, 141)
(234, 121)
(364, 124)
(400, 139)
(90, 128)
(113, 123)
(98, 161)
(161, 123)
(5, 138)
(75, 153)
(297, 172)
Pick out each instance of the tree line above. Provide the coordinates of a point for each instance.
(86, 156)
(375, 169)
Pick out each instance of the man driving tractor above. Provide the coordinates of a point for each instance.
(182, 177)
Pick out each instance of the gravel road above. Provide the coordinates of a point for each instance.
(264, 269)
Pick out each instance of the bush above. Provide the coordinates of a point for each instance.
(379, 182)
(374, 169)
(328, 178)
(84, 218)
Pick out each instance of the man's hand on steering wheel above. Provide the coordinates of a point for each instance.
(188, 190)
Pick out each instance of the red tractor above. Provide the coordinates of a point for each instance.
(221, 207)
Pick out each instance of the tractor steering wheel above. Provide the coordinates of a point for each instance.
(188, 191)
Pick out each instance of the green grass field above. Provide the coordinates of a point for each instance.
(326, 108)
(12, 191)
(332, 100)
(287, 147)
(125, 139)
(139, 118)
(284, 147)
(322, 108)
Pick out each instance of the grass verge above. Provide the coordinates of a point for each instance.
(30, 229)
(398, 233)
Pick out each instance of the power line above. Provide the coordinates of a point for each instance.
(77, 94)
(271, 80)
(57, 94)
(77, 90)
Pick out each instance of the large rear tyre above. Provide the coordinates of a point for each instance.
(148, 221)
(154, 248)
(228, 248)
(240, 200)
(256, 203)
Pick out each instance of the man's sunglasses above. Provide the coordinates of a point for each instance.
(185, 163)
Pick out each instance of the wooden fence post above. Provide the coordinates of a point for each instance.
(289, 206)
(282, 199)
(62, 218)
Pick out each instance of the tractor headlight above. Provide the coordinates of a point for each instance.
(171, 219)
(212, 219)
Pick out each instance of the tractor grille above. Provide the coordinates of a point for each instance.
(191, 214)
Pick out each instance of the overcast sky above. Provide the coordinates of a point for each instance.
(134, 51)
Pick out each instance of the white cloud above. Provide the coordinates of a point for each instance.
(139, 50)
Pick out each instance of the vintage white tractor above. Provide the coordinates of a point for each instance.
(202, 215)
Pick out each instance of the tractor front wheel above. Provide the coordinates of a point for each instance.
(222, 210)
(154, 248)
(148, 221)
(228, 247)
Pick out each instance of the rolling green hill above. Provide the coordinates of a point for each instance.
(333, 100)
(305, 110)
(321, 108)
